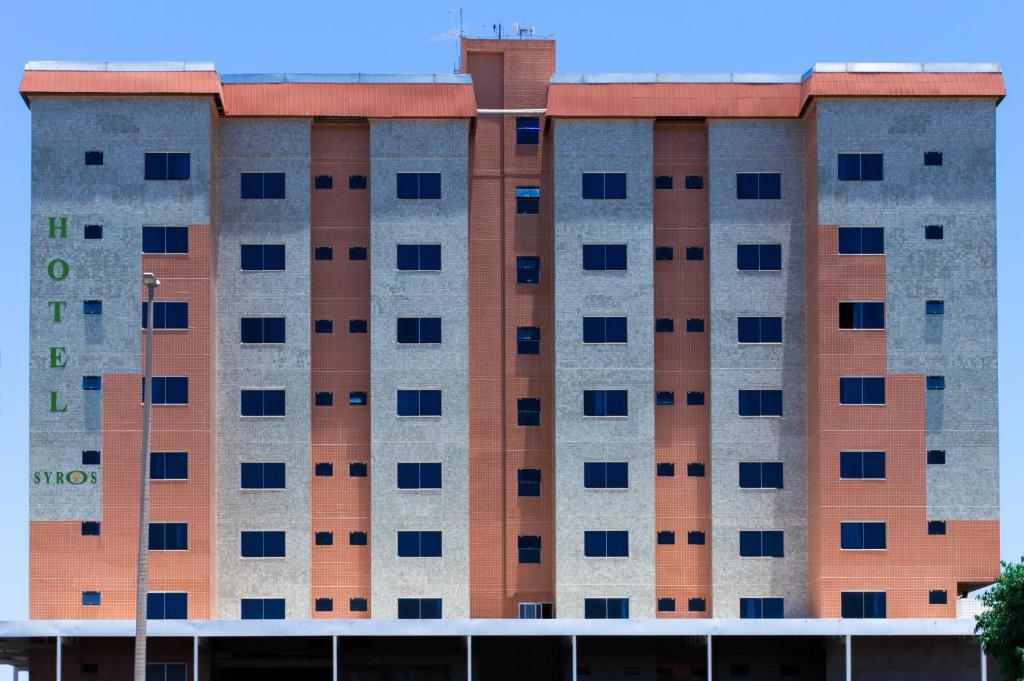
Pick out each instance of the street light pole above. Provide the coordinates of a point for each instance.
(150, 281)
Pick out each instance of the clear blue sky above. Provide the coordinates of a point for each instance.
(394, 37)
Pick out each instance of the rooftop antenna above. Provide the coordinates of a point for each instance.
(523, 31)
(498, 29)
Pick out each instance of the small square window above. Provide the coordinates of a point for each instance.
(933, 158)
(527, 270)
(935, 383)
(94, 158)
(666, 398)
(91, 598)
(323, 399)
(695, 399)
(92, 383)
(323, 253)
(934, 307)
(357, 181)
(91, 457)
(694, 182)
(666, 538)
(936, 527)
(936, 457)
(694, 253)
(357, 399)
(357, 604)
(937, 597)
(695, 538)
(663, 182)
(663, 253)
(92, 307)
(323, 470)
(357, 326)
(323, 182)
(527, 201)
(664, 326)
(324, 539)
(90, 528)
(323, 326)
(357, 470)
(324, 605)
(528, 130)
(357, 538)
(666, 605)
(933, 232)
(666, 470)
(94, 231)
(527, 340)
(695, 326)
(357, 253)
(695, 470)
(696, 605)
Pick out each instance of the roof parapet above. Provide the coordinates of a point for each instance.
(638, 78)
(121, 66)
(271, 78)
(904, 67)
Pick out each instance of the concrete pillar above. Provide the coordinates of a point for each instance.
(849, 659)
(334, 658)
(710, 674)
(195, 658)
(469, 658)
(572, 671)
(984, 664)
(60, 659)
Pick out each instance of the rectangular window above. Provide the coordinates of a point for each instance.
(665, 399)
(761, 608)
(91, 457)
(933, 158)
(323, 253)
(933, 232)
(527, 269)
(94, 158)
(862, 604)
(262, 185)
(322, 469)
(166, 605)
(663, 182)
(761, 474)
(357, 539)
(694, 253)
(323, 326)
(262, 544)
(93, 231)
(166, 315)
(666, 605)
(936, 527)
(357, 181)
(256, 402)
(936, 456)
(168, 536)
(167, 166)
(419, 185)
(262, 609)
(528, 482)
(419, 608)
(262, 257)
(758, 186)
(529, 549)
(168, 465)
(604, 185)
(357, 253)
(861, 241)
(418, 257)
(527, 201)
(91, 598)
(696, 605)
(860, 536)
(527, 340)
(694, 182)
(666, 538)
(860, 167)
(357, 470)
(604, 257)
(168, 389)
(93, 307)
(762, 544)
(527, 130)
(606, 608)
(759, 257)
(419, 402)
(606, 543)
(418, 330)
(528, 411)
(934, 307)
(937, 597)
(262, 475)
(92, 383)
(695, 470)
(694, 398)
(695, 538)
(323, 539)
(324, 605)
(861, 390)
(419, 544)
(357, 605)
(862, 465)
(663, 253)
(323, 182)
(760, 402)
(606, 403)
(604, 330)
(759, 329)
(535, 611)
(357, 326)
(90, 528)
(419, 476)
(694, 326)
(861, 316)
(263, 329)
(605, 474)
(158, 240)
(357, 398)
(666, 470)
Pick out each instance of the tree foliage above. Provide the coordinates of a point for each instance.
(1001, 627)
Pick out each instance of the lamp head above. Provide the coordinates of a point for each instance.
(149, 280)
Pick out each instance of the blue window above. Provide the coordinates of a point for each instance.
(604, 185)
(90, 528)
(694, 182)
(323, 182)
(606, 608)
(357, 605)
(695, 470)
(419, 402)
(262, 475)
(92, 383)
(357, 181)
(263, 329)
(696, 605)
(93, 231)
(861, 315)
(936, 456)
(419, 544)
(323, 399)
(694, 253)
(527, 340)
(528, 411)
(527, 269)
(933, 158)
(262, 257)
(168, 536)
(93, 307)
(323, 253)
(759, 329)
(862, 465)
(91, 457)
(606, 403)
(262, 185)
(357, 326)
(861, 390)
(694, 326)
(527, 201)
(418, 330)
(933, 232)
(357, 253)
(606, 543)
(760, 402)
(324, 605)
(419, 608)
(666, 470)
(934, 307)
(527, 130)
(419, 185)
(862, 167)
(862, 604)
(419, 476)
(694, 398)
(759, 257)
(168, 465)
(665, 398)
(167, 166)
(256, 402)
(861, 240)
(323, 539)
(323, 469)
(262, 609)
(761, 474)
(937, 597)
(663, 182)
(666, 605)
(357, 398)
(529, 549)
(168, 389)
(664, 325)
(758, 186)
(323, 326)
(936, 527)
(696, 538)
(604, 257)
(757, 544)
(357, 470)
(158, 240)
(164, 605)
(91, 598)
(604, 330)
(94, 158)
(357, 538)
(418, 257)
(663, 253)
(856, 536)
(666, 538)
(605, 474)
(528, 482)
(166, 315)
(263, 544)
(761, 608)
(535, 611)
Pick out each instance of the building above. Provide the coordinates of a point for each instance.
(511, 344)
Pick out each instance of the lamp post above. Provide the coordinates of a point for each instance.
(150, 281)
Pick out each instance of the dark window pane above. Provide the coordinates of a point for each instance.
(871, 167)
(593, 185)
(746, 185)
(430, 185)
(273, 186)
(323, 182)
(933, 232)
(252, 185)
(615, 185)
(178, 166)
(94, 158)
(663, 182)
(430, 257)
(849, 166)
(156, 166)
(357, 181)
(694, 182)
(769, 186)
(407, 185)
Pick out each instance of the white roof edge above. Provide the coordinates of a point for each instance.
(493, 627)
(905, 67)
(640, 78)
(273, 78)
(119, 66)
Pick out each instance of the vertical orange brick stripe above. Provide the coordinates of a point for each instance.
(340, 363)
(682, 363)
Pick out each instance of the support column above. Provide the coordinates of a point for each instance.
(572, 672)
(849, 659)
(195, 658)
(710, 673)
(60, 658)
(984, 664)
(469, 658)
(334, 658)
